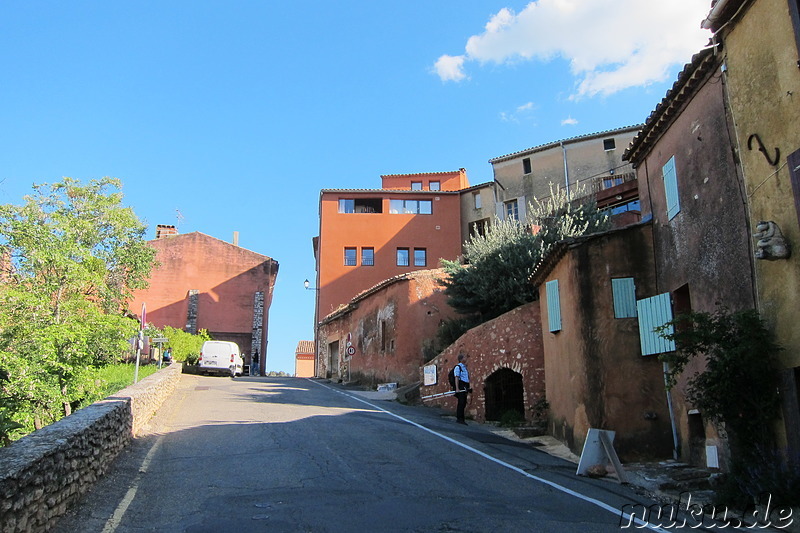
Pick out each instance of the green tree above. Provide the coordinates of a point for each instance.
(494, 275)
(73, 254)
(184, 345)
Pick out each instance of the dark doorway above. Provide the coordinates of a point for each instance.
(504, 392)
(333, 360)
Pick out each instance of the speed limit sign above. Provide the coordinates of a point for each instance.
(351, 351)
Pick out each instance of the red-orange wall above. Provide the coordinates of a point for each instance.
(448, 181)
(439, 233)
(226, 276)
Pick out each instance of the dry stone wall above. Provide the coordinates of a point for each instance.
(43, 473)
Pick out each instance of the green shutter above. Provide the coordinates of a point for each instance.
(553, 306)
(624, 291)
(671, 188)
(654, 312)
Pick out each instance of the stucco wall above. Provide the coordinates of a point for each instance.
(43, 473)
(226, 277)
(512, 341)
(393, 330)
(596, 375)
(764, 87)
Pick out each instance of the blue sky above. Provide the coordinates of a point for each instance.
(231, 116)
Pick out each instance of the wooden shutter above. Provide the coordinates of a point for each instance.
(553, 306)
(654, 312)
(671, 188)
(624, 291)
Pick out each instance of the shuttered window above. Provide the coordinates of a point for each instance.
(671, 188)
(624, 291)
(553, 306)
(654, 312)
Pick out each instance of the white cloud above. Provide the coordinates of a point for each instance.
(610, 44)
(450, 68)
(524, 111)
(569, 121)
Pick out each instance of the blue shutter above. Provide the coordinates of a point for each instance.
(671, 188)
(553, 306)
(654, 312)
(624, 291)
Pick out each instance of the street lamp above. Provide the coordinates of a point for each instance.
(306, 284)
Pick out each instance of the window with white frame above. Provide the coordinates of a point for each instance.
(476, 200)
(434, 186)
(512, 210)
(416, 185)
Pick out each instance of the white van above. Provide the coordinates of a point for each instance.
(221, 357)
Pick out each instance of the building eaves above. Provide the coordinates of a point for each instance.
(478, 186)
(689, 81)
(559, 249)
(182, 236)
(353, 303)
(447, 172)
(580, 138)
(304, 347)
(387, 191)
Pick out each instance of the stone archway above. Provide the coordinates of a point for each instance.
(504, 392)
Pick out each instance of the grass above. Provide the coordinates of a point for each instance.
(114, 378)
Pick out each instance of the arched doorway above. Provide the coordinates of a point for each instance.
(504, 392)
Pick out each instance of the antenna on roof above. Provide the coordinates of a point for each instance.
(179, 217)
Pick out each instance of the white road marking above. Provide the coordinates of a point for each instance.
(598, 503)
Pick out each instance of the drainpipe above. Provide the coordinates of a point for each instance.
(676, 445)
(714, 14)
(566, 170)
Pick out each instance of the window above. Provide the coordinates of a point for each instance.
(612, 181)
(416, 185)
(633, 205)
(476, 200)
(512, 210)
(350, 257)
(410, 207)
(671, 188)
(368, 257)
(654, 312)
(609, 144)
(360, 205)
(553, 306)
(624, 291)
(434, 186)
(402, 257)
(420, 257)
(526, 165)
(478, 227)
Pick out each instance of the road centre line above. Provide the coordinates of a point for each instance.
(598, 503)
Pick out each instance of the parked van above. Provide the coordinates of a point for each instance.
(221, 357)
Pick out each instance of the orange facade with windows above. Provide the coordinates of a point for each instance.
(370, 235)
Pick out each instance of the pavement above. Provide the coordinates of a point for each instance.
(662, 480)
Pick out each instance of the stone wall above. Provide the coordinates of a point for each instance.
(511, 341)
(43, 473)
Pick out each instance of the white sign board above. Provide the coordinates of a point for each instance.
(429, 375)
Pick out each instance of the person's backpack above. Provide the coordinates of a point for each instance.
(451, 377)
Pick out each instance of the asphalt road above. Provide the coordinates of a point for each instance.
(286, 454)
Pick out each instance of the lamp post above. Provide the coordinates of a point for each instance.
(307, 284)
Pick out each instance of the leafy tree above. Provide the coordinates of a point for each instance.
(496, 276)
(184, 345)
(73, 255)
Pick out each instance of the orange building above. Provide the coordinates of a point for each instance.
(304, 360)
(205, 283)
(370, 235)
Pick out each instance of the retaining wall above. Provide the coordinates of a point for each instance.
(43, 473)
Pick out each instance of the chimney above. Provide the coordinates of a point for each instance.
(236, 238)
(163, 230)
